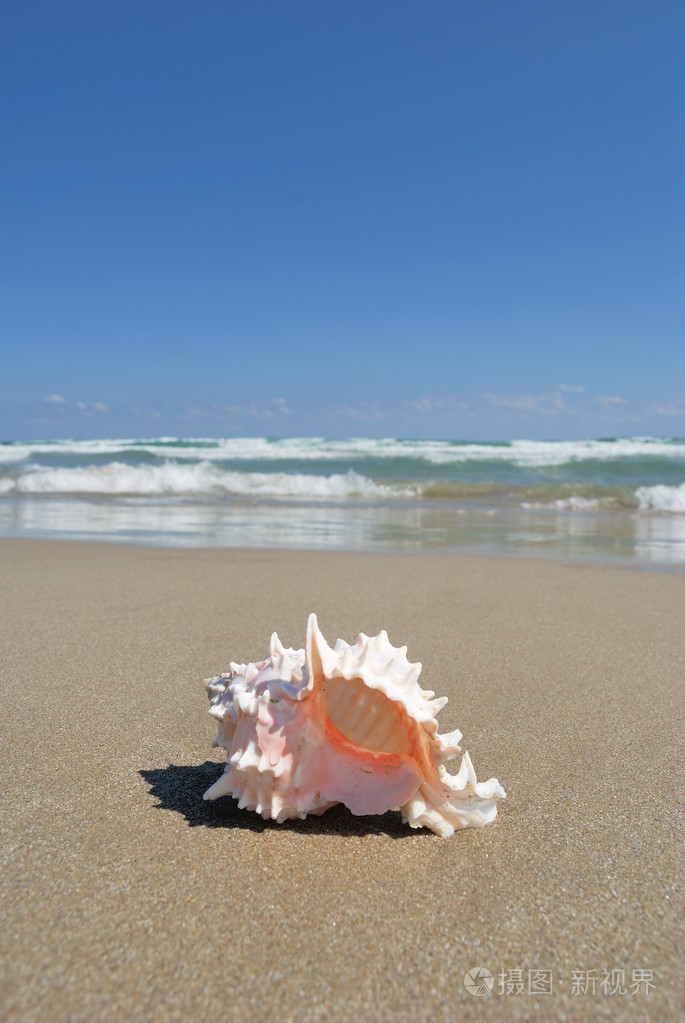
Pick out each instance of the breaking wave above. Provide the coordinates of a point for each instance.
(662, 498)
(198, 480)
(520, 453)
(638, 474)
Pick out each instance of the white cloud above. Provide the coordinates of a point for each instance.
(61, 404)
(572, 388)
(611, 400)
(428, 403)
(272, 409)
(369, 410)
(545, 404)
(668, 408)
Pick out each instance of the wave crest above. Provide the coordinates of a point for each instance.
(662, 498)
(116, 479)
(521, 453)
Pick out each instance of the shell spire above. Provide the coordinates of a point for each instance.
(305, 729)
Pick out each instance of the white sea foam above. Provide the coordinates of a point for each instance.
(523, 453)
(203, 478)
(528, 453)
(17, 451)
(662, 498)
(576, 503)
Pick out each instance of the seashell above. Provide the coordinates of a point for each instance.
(306, 729)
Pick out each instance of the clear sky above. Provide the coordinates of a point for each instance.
(456, 219)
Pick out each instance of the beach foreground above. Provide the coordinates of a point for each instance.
(126, 897)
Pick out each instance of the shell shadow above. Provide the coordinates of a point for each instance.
(180, 788)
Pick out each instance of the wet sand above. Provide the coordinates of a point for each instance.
(125, 897)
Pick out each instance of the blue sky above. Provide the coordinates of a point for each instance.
(430, 219)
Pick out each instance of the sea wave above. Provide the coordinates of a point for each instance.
(520, 453)
(207, 480)
(201, 479)
(577, 503)
(662, 498)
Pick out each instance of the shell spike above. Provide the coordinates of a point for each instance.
(317, 653)
(275, 646)
(221, 787)
(466, 774)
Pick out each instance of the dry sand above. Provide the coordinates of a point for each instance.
(125, 897)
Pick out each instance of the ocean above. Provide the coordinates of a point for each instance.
(612, 499)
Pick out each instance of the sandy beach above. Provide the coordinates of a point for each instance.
(126, 897)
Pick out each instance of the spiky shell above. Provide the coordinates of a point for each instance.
(305, 729)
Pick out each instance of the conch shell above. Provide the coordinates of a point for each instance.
(306, 729)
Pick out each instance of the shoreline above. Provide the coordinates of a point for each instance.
(129, 898)
(654, 541)
(577, 561)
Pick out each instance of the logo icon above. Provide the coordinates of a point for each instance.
(479, 981)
